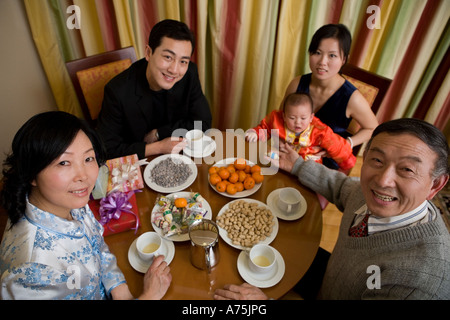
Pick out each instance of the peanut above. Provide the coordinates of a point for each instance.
(246, 223)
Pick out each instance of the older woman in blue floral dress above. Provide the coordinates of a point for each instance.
(53, 246)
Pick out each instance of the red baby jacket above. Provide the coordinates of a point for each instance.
(317, 134)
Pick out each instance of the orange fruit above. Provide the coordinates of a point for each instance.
(242, 175)
(234, 177)
(213, 169)
(214, 179)
(231, 188)
(255, 168)
(240, 164)
(221, 186)
(247, 169)
(239, 186)
(258, 177)
(249, 183)
(224, 173)
(180, 202)
(231, 168)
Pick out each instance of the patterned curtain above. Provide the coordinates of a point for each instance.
(248, 51)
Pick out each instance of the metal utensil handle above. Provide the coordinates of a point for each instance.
(207, 259)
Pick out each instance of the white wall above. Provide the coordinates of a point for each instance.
(24, 90)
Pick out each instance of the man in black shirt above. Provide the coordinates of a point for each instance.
(158, 94)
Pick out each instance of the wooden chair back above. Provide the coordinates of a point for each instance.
(89, 76)
(372, 86)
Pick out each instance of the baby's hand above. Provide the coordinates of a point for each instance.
(251, 136)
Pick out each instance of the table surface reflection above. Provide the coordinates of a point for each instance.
(297, 241)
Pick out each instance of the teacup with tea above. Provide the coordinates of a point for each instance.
(262, 260)
(149, 245)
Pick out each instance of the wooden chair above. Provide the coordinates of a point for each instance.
(90, 75)
(373, 87)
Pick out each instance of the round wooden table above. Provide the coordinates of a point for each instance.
(297, 241)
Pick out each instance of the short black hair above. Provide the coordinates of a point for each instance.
(297, 98)
(42, 139)
(335, 31)
(171, 29)
(424, 131)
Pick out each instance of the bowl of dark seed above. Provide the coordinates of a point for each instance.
(170, 173)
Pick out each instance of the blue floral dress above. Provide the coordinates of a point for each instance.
(47, 257)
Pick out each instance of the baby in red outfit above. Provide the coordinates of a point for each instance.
(305, 133)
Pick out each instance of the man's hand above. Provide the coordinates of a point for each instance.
(151, 136)
(287, 157)
(168, 145)
(242, 292)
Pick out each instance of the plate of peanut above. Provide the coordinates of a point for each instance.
(246, 222)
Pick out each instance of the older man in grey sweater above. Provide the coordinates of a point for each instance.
(401, 247)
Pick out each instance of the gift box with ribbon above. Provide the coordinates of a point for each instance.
(125, 174)
(117, 212)
(113, 198)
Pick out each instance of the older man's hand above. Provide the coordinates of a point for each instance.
(242, 292)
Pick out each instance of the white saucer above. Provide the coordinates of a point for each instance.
(272, 203)
(260, 281)
(142, 266)
(207, 151)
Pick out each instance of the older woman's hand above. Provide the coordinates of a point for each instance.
(157, 280)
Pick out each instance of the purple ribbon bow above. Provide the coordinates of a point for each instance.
(112, 206)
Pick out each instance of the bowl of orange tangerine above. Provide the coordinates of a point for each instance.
(235, 177)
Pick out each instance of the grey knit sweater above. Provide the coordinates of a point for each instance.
(409, 263)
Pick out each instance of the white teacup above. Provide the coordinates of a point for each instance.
(262, 259)
(289, 200)
(195, 139)
(149, 245)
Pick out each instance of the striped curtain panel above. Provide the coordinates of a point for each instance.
(248, 51)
